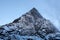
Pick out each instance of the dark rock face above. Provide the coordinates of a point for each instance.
(30, 26)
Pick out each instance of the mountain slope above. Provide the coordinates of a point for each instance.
(29, 26)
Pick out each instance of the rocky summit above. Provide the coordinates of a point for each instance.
(30, 26)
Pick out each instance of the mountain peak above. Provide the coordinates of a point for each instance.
(34, 9)
(34, 12)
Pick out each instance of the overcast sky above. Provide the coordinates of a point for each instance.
(12, 9)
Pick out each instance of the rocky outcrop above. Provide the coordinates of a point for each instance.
(30, 26)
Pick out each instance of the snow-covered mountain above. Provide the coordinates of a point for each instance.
(30, 26)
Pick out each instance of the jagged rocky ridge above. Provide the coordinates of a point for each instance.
(30, 26)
